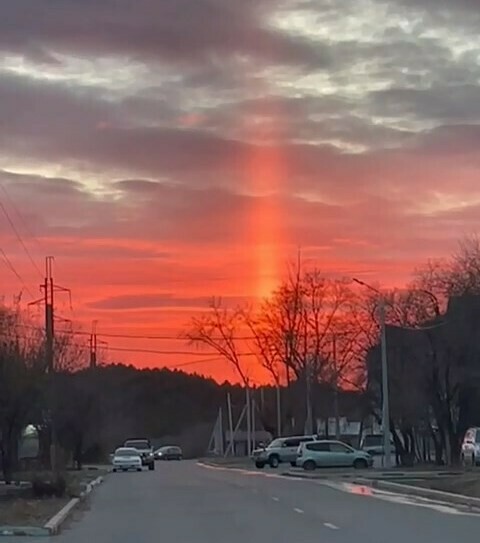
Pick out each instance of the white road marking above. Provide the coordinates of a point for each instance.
(299, 511)
(331, 526)
(275, 499)
(402, 499)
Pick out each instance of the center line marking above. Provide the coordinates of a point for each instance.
(300, 511)
(331, 526)
(275, 499)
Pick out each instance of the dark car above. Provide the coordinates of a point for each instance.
(145, 450)
(171, 452)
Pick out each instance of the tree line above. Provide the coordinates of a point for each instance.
(316, 339)
(85, 413)
(318, 333)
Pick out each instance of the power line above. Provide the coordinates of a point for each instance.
(154, 351)
(20, 239)
(155, 337)
(12, 268)
(147, 337)
(19, 214)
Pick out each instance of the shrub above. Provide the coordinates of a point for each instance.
(49, 486)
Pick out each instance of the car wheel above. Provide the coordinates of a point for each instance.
(125, 470)
(259, 465)
(309, 465)
(360, 463)
(151, 467)
(139, 469)
(274, 461)
(114, 470)
(293, 464)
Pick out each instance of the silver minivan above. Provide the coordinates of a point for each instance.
(471, 447)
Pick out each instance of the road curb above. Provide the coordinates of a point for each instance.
(431, 494)
(25, 531)
(54, 524)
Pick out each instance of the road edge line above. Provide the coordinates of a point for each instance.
(429, 493)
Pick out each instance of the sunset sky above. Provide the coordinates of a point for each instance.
(169, 150)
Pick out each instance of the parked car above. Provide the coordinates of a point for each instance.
(144, 448)
(171, 452)
(373, 444)
(329, 454)
(282, 449)
(471, 447)
(125, 458)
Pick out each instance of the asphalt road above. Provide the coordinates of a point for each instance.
(186, 503)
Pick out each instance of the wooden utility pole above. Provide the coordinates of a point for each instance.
(335, 388)
(93, 346)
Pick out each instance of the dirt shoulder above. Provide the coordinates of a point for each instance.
(18, 506)
(29, 512)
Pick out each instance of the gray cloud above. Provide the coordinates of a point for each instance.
(169, 30)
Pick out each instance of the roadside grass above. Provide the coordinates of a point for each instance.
(18, 506)
(29, 512)
(467, 484)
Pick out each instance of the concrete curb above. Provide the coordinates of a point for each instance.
(53, 525)
(409, 490)
(26, 531)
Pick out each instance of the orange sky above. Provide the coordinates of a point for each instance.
(176, 157)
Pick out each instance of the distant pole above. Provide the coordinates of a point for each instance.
(249, 419)
(230, 421)
(385, 402)
(49, 317)
(254, 438)
(309, 421)
(49, 288)
(385, 395)
(93, 346)
(279, 411)
(335, 389)
(49, 293)
(237, 426)
(220, 430)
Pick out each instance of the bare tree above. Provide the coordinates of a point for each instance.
(221, 330)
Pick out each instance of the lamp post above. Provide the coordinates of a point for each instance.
(385, 396)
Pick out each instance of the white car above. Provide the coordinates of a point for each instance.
(126, 458)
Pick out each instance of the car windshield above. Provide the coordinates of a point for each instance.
(275, 443)
(373, 441)
(126, 452)
(139, 445)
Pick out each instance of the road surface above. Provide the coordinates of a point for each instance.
(186, 503)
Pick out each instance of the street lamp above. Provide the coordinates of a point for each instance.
(385, 397)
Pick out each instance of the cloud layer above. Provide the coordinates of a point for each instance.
(166, 151)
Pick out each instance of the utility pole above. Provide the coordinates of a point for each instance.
(49, 299)
(335, 389)
(279, 411)
(93, 346)
(385, 393)
(254, 438)
(49, 294)
(49, 289)
(309, 421)
(249, 419)
(230, 423)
